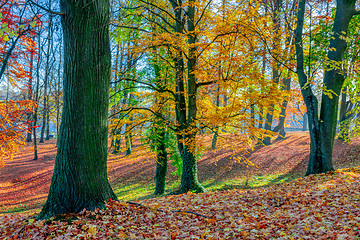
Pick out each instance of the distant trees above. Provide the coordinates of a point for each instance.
(17, 31)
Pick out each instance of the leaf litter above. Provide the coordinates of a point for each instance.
(323, 206)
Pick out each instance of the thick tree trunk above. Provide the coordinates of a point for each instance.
(180, 106)
(80, 174)
(323, 128)
(189, 180)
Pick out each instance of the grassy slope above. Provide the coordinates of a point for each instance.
(24, 183)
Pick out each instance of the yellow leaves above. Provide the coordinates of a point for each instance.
(12, 126)
(92, 230)
(31, 221)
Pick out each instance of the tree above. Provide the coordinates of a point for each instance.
(80, 175)
(323, 127)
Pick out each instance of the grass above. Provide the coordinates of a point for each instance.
(141, 191)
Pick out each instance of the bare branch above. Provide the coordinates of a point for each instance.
(45, 9)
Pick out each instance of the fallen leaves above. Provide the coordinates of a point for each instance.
(324, 206)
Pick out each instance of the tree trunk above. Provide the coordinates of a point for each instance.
(30, 93)
(58, 90)
(47, 133)
(36, 100)
(80, 174)
(343, 117)
(261, 119)
(161, 163)
(180, 106)
(117, 141)
(323, 128)
(128, 140)
(305, 122)
(275, 65)
(281, 126)
(216, 130)
(46, 81)
(189, 180)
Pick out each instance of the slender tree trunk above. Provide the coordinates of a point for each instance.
(128, 140)
(47, 132)
(30, 93)
(80, 174)
(46, 81)
(161, 162)
(216, 130)
(275, 66)
(343, 117)
(36, 100)
(281, 126)
(58, 89)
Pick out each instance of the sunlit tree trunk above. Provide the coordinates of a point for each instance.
(46, 82)
(80, 174)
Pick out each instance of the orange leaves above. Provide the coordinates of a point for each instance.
(13, 126)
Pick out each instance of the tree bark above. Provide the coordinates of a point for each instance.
(305, 122)
(161, 162)
(189, 180)
(180, 107)
(275, 65)
(46, 82)
(80, 174)
(323, 128)
(30, 96)
(281, 126)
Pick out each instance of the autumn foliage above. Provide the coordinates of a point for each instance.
(13, 126)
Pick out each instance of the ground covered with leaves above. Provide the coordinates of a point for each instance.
(324, 206)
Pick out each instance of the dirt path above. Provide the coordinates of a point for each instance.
(24, 183)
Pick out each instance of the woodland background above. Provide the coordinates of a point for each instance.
(189, 81)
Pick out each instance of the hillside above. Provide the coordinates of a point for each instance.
(24, 183)
(325, 206)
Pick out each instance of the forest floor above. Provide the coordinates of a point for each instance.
(241, 195)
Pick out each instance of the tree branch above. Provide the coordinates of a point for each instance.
(45, 9)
